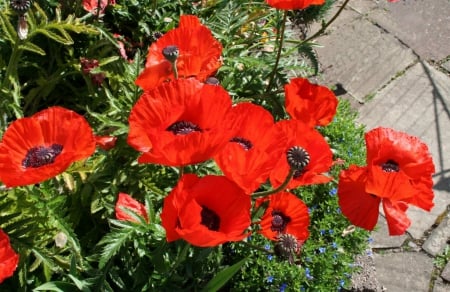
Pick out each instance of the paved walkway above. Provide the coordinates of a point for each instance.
(393, 62)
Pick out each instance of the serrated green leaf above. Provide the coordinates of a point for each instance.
(223, 277)
(105, 61)
(9, 32)
(113, 241)
(56, 286)
(27, 46)
(54, 36)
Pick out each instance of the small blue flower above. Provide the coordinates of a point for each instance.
(334, 245)
(370, 240)
(341, 283)
(322, 249)
(267, 247)
(369, 252)
(338, 210)
(270, 279)
(308, 274)
(323, 232)
(283, 287)
(269, 257)
(331, 231)
(333, 192)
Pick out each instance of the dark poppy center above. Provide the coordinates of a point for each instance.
(210, 219)
(246, 144)
(183, 128)
(390, 166)
(297, 157)
(279, 221)
(171, 53)
(41, 155)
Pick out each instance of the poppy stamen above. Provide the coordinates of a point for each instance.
(183, 128)
(210, 219)
(246, 144)
(41, 155)
(390, 166)
(298, 158)
(279, 221)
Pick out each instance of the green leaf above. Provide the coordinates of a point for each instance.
(27, 46)
(56, 286)
(113, 241)
(223, 276)
(8, 30)
(54, 36)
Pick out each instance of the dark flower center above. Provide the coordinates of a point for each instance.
(298, 173)
(246, 144)
(21, 6)
(41, 155)
(171, 53)
(210, 219)
(297, 158)
(279, 221)
(183, 128)
(390, 166)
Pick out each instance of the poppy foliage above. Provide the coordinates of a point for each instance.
(125, 204)
(256, 145)
(198, 54)
(285, 214)
(206, 211)
(8, 257)
(398, 173)
(180, 122)
(37, 148)
(313, 104)
(293, 4)
(318, 150)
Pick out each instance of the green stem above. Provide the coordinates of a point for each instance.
(280, 48)
(175, 69)
(326, 25)
(11, 70)
(276, 190)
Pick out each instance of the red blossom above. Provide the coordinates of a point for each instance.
(8, 257)
(206, 211)
(313, 104)
(293, 4)
(39, 147)
(126, 202)
(199, 54)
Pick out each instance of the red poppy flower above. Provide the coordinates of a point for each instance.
(317, 152)
(126, 202)
(105, 142)
(313, 104)
(362, 207)
(8, 257)
(249, 156)
(286, 213)
(206, 211)
(293, 4)
(44, 145)
(400, 167)
(180, 122)
(92, 5)
(198, 54)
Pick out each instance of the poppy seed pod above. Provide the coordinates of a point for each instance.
(20, 6)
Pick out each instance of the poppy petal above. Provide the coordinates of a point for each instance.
(360, 207)
(396, 218)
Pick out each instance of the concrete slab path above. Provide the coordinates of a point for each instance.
(393, 61)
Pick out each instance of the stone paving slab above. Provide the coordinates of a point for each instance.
(422, 25)
(381, 238)
(405, 271)
(441, 286)
(437, 241)
(360, 56)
